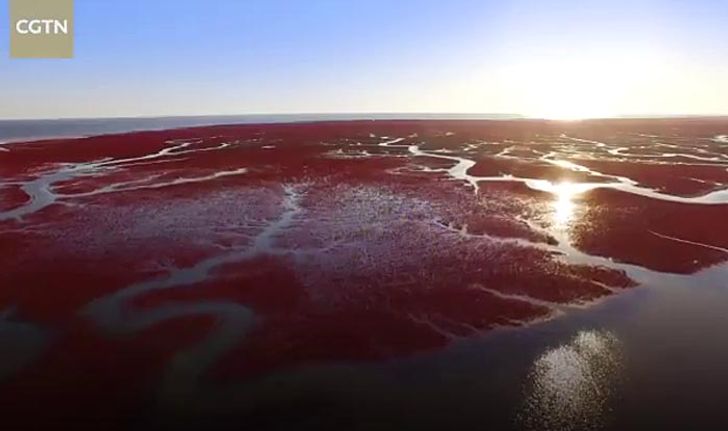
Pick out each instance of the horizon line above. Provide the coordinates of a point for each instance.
(368, 116)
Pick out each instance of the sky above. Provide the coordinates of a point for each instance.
(548, 59)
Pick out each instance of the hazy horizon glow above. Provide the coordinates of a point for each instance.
(563, 59)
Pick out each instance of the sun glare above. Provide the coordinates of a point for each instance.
(564, 206)
(565, 194)
(576, 89)
(568, 99)
(571, 384)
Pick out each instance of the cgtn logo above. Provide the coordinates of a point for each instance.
(41, 28)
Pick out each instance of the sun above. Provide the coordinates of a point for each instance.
(570, 91)
(570, 101)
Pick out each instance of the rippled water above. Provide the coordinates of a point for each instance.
(652, 358)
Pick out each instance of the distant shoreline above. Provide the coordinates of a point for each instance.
(23, 130)
(31, 130)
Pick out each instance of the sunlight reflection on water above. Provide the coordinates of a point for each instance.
(570, 387)
(564, 206)
(565, 193)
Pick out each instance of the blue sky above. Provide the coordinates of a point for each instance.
(561, 58)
